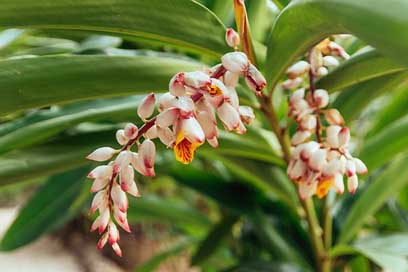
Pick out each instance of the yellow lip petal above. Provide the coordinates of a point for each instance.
(323, 187)
(184, 150)
(214, 90)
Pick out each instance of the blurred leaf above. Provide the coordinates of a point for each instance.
(8, 36)
(389, 252)
(386, 144)
(360, 264)
(151, 207)
(359, 68)
(384, 186)
(353, 100)
(52, 206)
(393, 110)
(28, 133)
(263, 266)
(38, 82)
(172, 250)
(314, 20)
(100, 42)
(214, 239)
(181, 23)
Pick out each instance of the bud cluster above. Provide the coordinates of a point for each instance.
(322, 57)
(319, 165)
(186, 119)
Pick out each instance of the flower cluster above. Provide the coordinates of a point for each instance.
(186, 119)
(322, 57)
(320, 165)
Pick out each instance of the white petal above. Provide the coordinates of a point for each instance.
(307, 190)
(300, 136)
(99, 200)
(99, 184)
(297, 95)
(102, 154)
(186, 106)
(321, 98)
(147, 153)
(192, 130)
(101, 221)
(350, 168)
(344, 136)
(318, 160)
(235, 62)
(298, 170)
(146, 108)
(361, 168)
(247, 114)
(207, 124)
(167, 117)
(308, 149)
(127, 176)
(119, 197)
(176, 85)
(292, 83)
(322, 71)
(113, 233)
(231, 79)
(334, 117)
(330, 61)
(131, 131)
(332, 137)
(197, 79)
(120, 137)
(151, 133)
(102, 171)
(338, 183)
(166, 136)
(167, 100)
(298, 69)
(254, 79)
(352, 184)
(308, 122)
(122, 160)
(232, 38)
(229, 116)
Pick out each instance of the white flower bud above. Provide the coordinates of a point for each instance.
(176, 85)
(197, 79)
(330, 61)
(229, 116)
(338, 183)
(146, 108)
(352, 184)
(102, 154)
(344, 136)
(255, 80)
(113, 233)
(334, 117)
(147, 153)
(300, 136)
(120, 137)
(235, 62)
(232, 38)
(307, 190)
(308, 122)
(322, 71)
(122, 160)
(297, 96)
(117, 249)
(101, 172)
(247, 114)
(292, 83)
(318, 160)
(307, 149)
(321, 98)
(119, 198)
(350, 168)
(361, 168)
(131, 131)
(99, 184)
(298, 69)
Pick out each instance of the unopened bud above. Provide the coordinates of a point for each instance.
(146, 108)
(334, 117)
(232, 38)
(330, 61)
(130, 131)
(298, 69)
(321, 98)
(102, 154)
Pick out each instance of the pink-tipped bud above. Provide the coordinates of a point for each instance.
(102, 241)
(292, 83)
(255, 80)
(308, 149)
(332, 138)
(247, 114)
(192, 130)
(121, 219)
(186, 106)
(131, 131)
(197, 79)
(352, 184)
(147, 153)
(120, 137)
(300, 136)
(146, 108)
(101, 172)
(102, 154)
(101, 222)
(232, 38)
(122, 160)
(113, 233)
(321, 98)
(176, 85)
(119, 198)
(350, 168)
(99, 201)
(229, 116)
(235, 62)
(117, 249)
(330, 61)
(344, 136)
(99, 184)
(298, 69)
(337, 50)
(334, 117)
(361, 168)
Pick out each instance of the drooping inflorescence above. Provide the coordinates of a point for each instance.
(319, 165)
(186, 119)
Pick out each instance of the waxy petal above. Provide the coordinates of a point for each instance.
(235, 62)
(146, 107)
(102, 154)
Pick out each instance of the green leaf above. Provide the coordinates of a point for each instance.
(392, 111)
(384, 186)
(172, 250)
(180, 23)
(359, 68)
(214, 239)
(29, 133)
(42, 81)
(389, 252)
(353, 100)
(303, 23)
(386, 144)
(153, 208)
(52, 205)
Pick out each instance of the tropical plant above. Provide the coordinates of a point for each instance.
(274, 196)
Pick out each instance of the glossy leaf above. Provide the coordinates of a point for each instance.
(361, 67)
(305, 22)
(51, 207)
(38, 82)
(389, 252)
(384, 186)
(386, 144)
(181, 23)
